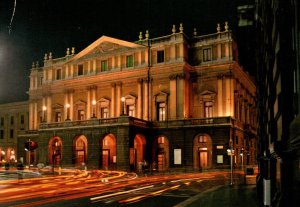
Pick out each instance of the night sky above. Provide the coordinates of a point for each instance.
(43, 26)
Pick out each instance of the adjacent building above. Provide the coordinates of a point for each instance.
(13, 120)
(278, 70)
(173, 101)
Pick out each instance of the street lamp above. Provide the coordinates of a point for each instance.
(93, 108)
(123, 107)
(68, 106)
(230, 152)
(44, 113)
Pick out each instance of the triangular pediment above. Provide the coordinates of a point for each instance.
(103, 45)
(207, 92)
(80, 102)
(57, 106)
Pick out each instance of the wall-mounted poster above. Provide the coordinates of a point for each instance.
(177, 157)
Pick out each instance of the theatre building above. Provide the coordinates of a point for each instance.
(174, 101)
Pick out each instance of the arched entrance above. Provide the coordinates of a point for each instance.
(161, 153)
(137, 153)
(109, 151)
(202, 151)
(55, 151)
(80, 150)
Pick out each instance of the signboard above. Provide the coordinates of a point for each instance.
(177, 157)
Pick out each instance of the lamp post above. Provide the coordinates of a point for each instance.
(123, 107)
(230, 152)
(242, 156)
(93, 108)
(68, 106)
(44, 113)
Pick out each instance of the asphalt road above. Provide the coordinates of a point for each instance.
(106, 188)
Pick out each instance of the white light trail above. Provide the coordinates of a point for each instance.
(12, 17)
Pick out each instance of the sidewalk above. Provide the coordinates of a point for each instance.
(225, 196)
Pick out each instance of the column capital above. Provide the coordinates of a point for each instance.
(119, 83)
(140, 80)
(113, 85)
(173, 76)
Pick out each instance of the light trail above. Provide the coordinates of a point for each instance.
(120, 193)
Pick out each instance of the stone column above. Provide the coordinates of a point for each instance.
(118, 99)
(220, 96)
(89, 101)
(229, 96)
(72, 70)
(65, 104)
(35, 109)
(31, 116)
(49, 109)
(146, 99)
(67, 71)
(113, 100)
(173, 96)
(139, 99)
(180, 96)
(71, 106)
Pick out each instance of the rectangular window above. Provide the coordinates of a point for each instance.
(104, 113)
(208, 109)
(1, 134)
(161, 140)
(80, 69)
(129, 61)
(160, 56)
(11, 133)
(237, 140)
(12, 120)
(80, 115)
(58, 74)
(202, 139)
(161, 111)
(22, 121)
(58, 116)
(130, 110)
(2, 121)
(206, 54)
(103, 65)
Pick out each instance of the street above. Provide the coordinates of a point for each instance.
(107, 188)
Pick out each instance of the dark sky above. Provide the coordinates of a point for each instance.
(42, 26)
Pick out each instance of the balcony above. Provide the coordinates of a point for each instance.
(127, 120)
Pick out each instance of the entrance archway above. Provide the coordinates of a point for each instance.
(137, 153)
(202, 152)
(109, 151)
(55, 151)
(80, 149)
(161, 153)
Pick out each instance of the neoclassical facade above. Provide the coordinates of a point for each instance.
(13, 122)
(174, 101)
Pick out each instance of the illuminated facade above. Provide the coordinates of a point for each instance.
(174, 101)
(13, 120)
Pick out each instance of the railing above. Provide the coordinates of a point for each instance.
(194, 122)
(127, 120)
(90, 122)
